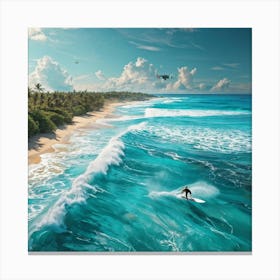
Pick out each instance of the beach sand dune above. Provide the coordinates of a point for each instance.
(42, 143)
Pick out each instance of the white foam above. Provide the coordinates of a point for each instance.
(110, 155)
(174, 155)
(50, 164)
(172, 100)
(137, 104)
(207, 139)
(107, 121)
(199, 189)
(164, 193)
(154, 112)
(171, 241)
(136, 127)
(203, 189)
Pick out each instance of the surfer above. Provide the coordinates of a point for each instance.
(187, 192)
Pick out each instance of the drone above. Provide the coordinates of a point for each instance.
(164, 77)
(76, 62)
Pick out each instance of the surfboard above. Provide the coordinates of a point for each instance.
(197, 200)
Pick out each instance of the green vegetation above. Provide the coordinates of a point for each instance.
(33, 126)
(47, 111)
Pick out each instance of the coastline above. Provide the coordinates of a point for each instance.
(42, 143)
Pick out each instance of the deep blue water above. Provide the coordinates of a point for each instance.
(116, 186)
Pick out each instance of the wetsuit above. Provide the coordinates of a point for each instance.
(187, 191)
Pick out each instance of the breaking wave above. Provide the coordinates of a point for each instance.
(111, 155)
(207, 139)
(154, 112)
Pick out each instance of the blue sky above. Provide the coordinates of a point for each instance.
(199, 60)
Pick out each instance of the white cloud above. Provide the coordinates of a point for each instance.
(202, 86)
(145, 47)
(149, 48)
(221, 85)
(140, 62)
(227, 66)
(50, 75)
(99, 74)
(217, 68)
(197, 46)
(136, 76)
(184, 81)
(232, 65)
(141, 75)
(82, 77)
(36, 34)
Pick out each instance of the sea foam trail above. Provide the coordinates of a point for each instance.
(174, 193)
(199, 189)
(110, 155)
(153, 112)
(203, 189)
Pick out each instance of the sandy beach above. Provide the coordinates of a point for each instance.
(42, 143)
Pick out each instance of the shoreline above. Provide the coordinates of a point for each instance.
(42, 143)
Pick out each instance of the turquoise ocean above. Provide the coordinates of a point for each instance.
(115, 187)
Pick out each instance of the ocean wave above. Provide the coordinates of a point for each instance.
(154, 112)
(207, 139)
(138, 104)
(110, 155)
(205, 163)
(173, 100)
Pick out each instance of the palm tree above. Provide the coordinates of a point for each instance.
(39, 87)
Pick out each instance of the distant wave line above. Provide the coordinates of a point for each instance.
(154, 112)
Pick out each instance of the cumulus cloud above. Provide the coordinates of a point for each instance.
(185, 79)
(36, 34)
(99, 74)
(136, 76)
(221, 85)
(140, 62)
(50, 75)
(141, 75)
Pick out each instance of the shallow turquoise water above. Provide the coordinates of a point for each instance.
(116, 186)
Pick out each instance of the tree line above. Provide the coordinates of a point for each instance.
(48, 110)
